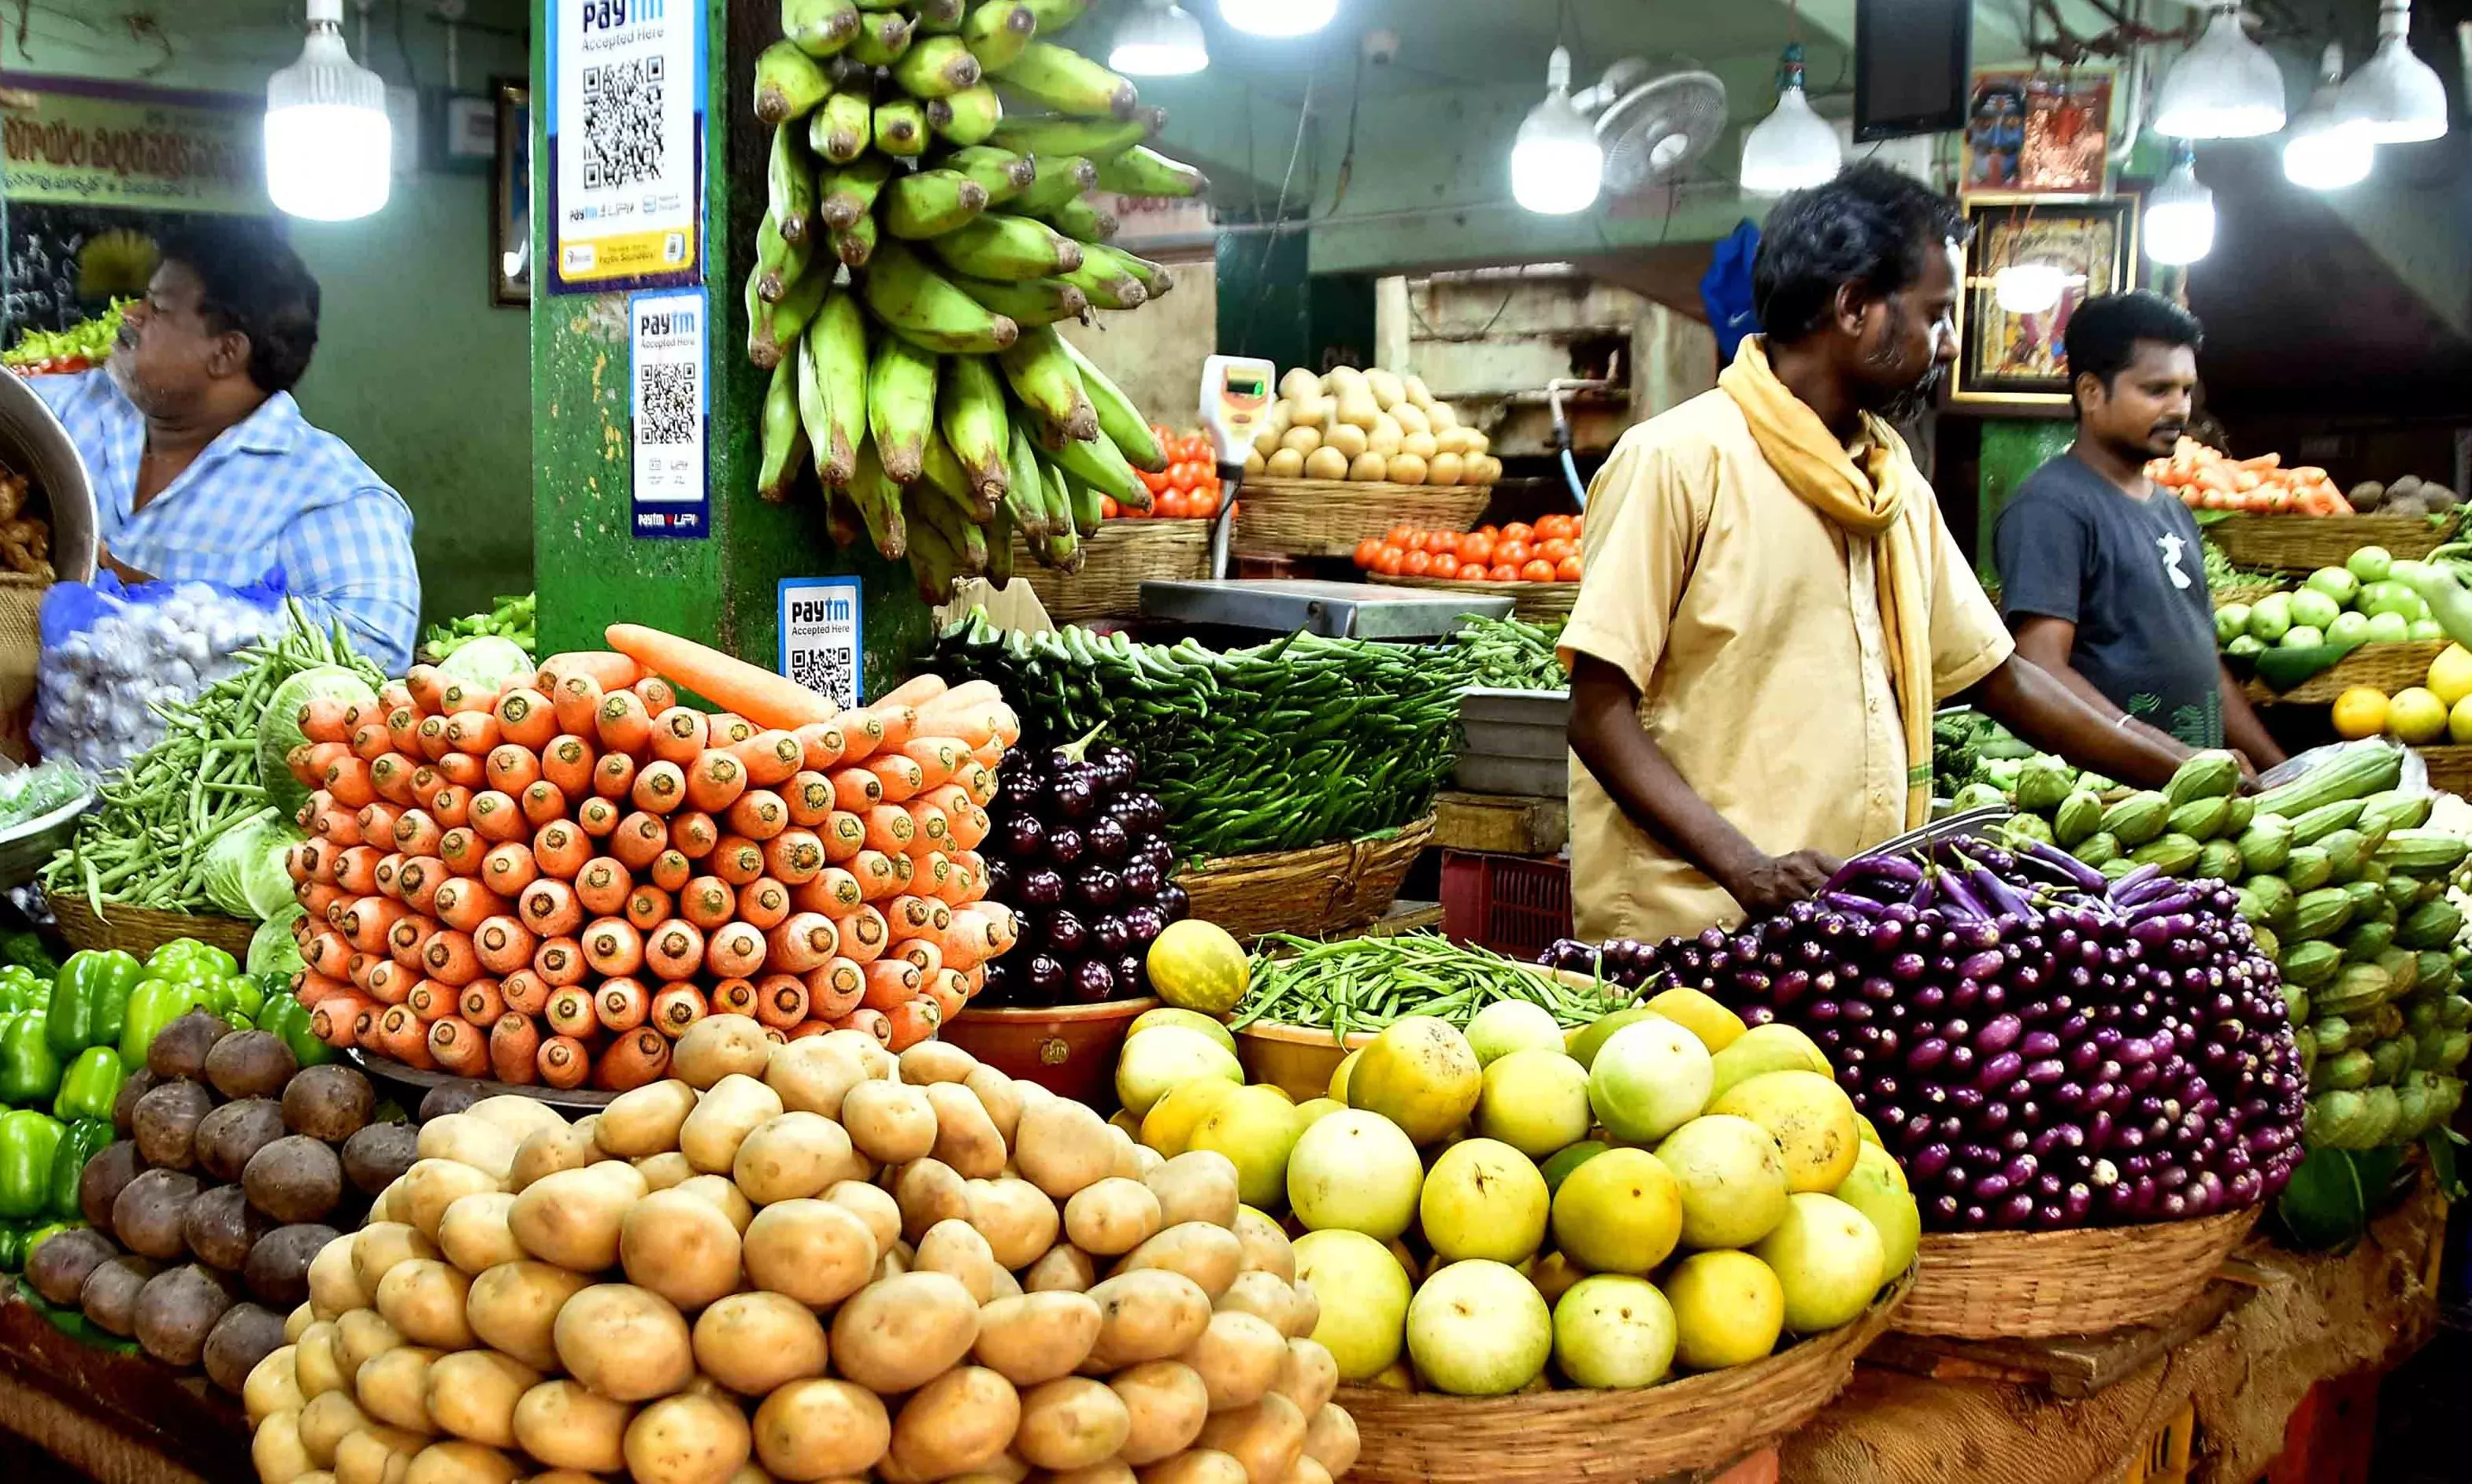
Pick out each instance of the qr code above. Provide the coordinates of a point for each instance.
(622, 123)
(828, 672)
(672, 403)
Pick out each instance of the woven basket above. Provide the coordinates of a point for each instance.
(141, 931)
(1550, 1437)
(2450, 769)
(1316, 891)
(1528, 600)
(2247, 593)
(1982, 1286)
(2383, 666)
(2304, 543)
(1329, 517)
(1122, 554)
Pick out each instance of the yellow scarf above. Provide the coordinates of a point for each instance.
(1869, 499)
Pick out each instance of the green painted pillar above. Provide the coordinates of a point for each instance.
(589, 566)
(2012, 447)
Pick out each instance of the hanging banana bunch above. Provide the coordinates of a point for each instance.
(926, 228)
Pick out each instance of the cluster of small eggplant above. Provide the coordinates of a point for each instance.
(1083, 856)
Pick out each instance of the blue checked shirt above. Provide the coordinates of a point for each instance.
(271, 492)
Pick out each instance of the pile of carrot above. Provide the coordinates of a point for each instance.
(2207, 479)
(550, 884)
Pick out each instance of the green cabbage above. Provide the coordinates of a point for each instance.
(278, 731)
(242, 872)
(272, 948)
(490, 661)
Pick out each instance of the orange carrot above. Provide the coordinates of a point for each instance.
(461, 849)
(919, 690)
(671, 868)
(659, 788)
(780, 1000)
(676, 1008)
(600, 887)
(525, 992)
(820, 745)
(403, 730)
(356, 870)
(502, 944)
(759, 815)
(804, 941)
(322, 721)
(562, 1061)
(844, 836)
(856, 789)
(598, 818)
(332, 1020)
(451, 807)
(415, 833)
(902, 777)
(526, 718)
(732, 997)
(548, 907)
(497, 818)
(694, 834)
(771, 756)
(634, 1059)
(514, 1041)
(728, 728)
(920, 953)
(794, 856)
(640, 839)
(865, 1020)
(567, 762)
(426, 782)
(575, 700)
(968, 827)
(647, 907)
(561, 849)
(321, 900)
(432, 735)
(674, 949)
(560, 962)
(759, 695)
(511, 767)
(935, 828)
(482, 1003)
(391, 775)
(463, 771)
(763, 903)
(657, 694)
(895, 725)
(864, 934)
(833, 892)
(542, 802)
(370, 740)
(891, 829)
(810, 797)
(613, 947)
(450, 959)
(622, 1003)
(715, 780)
(348, 779)
(325, 952)
(972, 935)
(622, 724)
(458, 1048)
(424, 682)
(737, 861)
(613, 775)
(950, 991)
(735, 950)
(472, 733)
(707, 902)
(609, 672)
(879, 875)
(365, 922)
(939, 758)
(394, 695)
(835, 988)
(405, 1037)
(890, 982)
(464, 904)
(408, 938)
(389, 982)
(679, 734)
(358, 968)
(912, 1021)
(456, 696)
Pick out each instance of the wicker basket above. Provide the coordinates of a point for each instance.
(2450, 769)
(141, 931)
(1982, 1286)
(1316, 891)
(1528, 600)
(2383, 666)
(1329, 517)
(1120, 555)
(1550, 1437)
(2248, 592)
(2304, 543)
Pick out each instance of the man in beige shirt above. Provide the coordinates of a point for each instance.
(1773, 605)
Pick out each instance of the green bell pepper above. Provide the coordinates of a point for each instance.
(29, 1072)
(21, 989)
(86, 1138)
(187, 958)
(153, 1006)
(289, 1019)
(28, 1141)
(12, 1246)
(90, 1000)
(246, 997)
(90, 1085)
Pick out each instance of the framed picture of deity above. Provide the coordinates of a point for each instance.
(2031, 262)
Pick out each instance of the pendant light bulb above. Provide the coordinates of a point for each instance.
(1280, 19)
(329, 146)
(1793, 146)
(2179, 213)
(1160, 39)
(2395, 96)
(1556, 164)
(2225, 87)
(2328, 148)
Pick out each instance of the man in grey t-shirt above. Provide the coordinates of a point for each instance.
(2102, 577)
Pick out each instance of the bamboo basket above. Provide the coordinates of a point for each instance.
(1982, 1286)
(1535, 601)
(1702, 1422)
(1320, 889)
(140, 930)
(2450, 769)
(2304, 543)
(1329, 517)
(2248, 592)
(1121, 556)
(2384, 666)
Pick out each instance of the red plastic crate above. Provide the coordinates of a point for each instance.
(1513, 904)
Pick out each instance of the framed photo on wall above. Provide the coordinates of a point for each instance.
(511, 200)
(2057, 252)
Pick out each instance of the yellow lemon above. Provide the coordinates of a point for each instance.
(2458, 721)
(1195, 965)
(1168, 1127)
(2450, 674)
(2360, 711)
(2417, 717)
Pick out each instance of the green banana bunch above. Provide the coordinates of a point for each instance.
(1069, 82)
(901, 406)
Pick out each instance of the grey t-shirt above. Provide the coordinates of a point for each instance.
(2131, 575)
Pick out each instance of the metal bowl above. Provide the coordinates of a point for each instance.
(34, 443)
(24, 850)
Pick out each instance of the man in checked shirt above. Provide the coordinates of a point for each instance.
(203, 467)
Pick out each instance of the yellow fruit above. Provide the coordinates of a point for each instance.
(1195, 965)
(1164, 1057)
(1732, 1177)
(1210, 1025)
(2458, 721)
(1256, 1128)
(1812, 1119)
(1484, 1199)
(1776, 1047)
(1313, 1108)
(1168, 1127)
(1877, 1189)
(1728, 1310)
(2450, 674)
(2415, 715)
(1829, 1258)
(1619, 1212)
(1338, 1075)
(1704, 1017)
(1421, 1075)
(1537, 1101)
(2360, 711)
(1363, 1294)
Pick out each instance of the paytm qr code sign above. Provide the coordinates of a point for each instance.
(821, 636)
(626, 107)
(668, 333)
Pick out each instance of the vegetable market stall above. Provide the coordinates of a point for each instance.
(112, 1415)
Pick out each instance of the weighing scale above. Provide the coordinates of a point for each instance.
(1236, 396)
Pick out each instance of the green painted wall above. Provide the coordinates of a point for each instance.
(414, 368)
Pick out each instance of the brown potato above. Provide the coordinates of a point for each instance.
(1036, 1337)
(687, 1440)
(431, 1185)
(377, 1154)
(929, 1062)
(819, 1429)
(469, 1139)
(753, 1342)
(362, 1337)
(897, 1334)
(929, 1192)
(518, 1117)
(1201, 1466)
(1133, 1159)
(644, 1120)
(271, 1387)
(1065, 1268)
(423, 1298)
(514, 1307)
(1267, 1437)
(566, 1426)
(816, 1252)
(549, 1150)
(1112, 1216)
(625, 1342)
(870, 1054)
(679, 1247)
(722, 1195)
(1017, 1218)
(315, 1363)
(793, 1157)
(473, 1232)
(1208, 1255)
(721, 1046)
(393, 1386)
(1061, 1146)
(278, 1270)
(1198, 1185)
(870, 1204)
(472, 1394)
(461, 1463)
(957, 1250)
(1308, 1311)
(377, 1247)
(1071, 1422)
(1238, 1357)
(375, 1454)
(1006, 1285)
(1330, 1439)
(572, 1217)
(294, 1324)
(888, 1122)
(734, 1108)
(1267, 1249)
(1260, 1294)
(1112, 1470)
(1308, 1377)
(814, 1075)
(1150, 1314)
(324, 1422)
(665, 1171)
(275, 1449)
(1165, 1403)
(961, 1420)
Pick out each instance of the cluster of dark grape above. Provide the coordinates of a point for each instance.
(1082, 856)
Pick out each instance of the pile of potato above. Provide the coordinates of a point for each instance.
(1366, 426)
(809, 1262)
(235, 1168)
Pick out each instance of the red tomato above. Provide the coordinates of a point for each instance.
(1536, 569)
(1554, 548)
(1419, 563)
(1107, 507)
(1476, 548)
(1502, 572)
(1578, 527)
(1389, 561)
(1153, 482)
(1555, 527)
(1446, 565)
(1567, 570)
(1206, 502)
(1511, 552)
(1488, 531)
(1400, 535)
(1517, 531)
(1169, 505)
(1183, 476)
(1440, 541)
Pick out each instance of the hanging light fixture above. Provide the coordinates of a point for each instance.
(1792, 147)
(2179, 213)
(1159, 39)
(2395, 96)
(1557, 163)
(1278, 17)
(2328, 149)
(329, 146)
(2225, 87)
